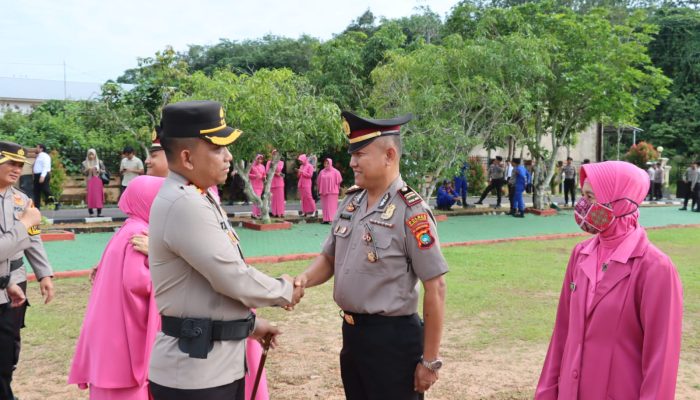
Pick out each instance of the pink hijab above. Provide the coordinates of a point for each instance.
(302, 158)
(617, 180)
(121, 319)
(329, 179)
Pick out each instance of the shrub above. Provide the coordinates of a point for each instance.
(641, 153)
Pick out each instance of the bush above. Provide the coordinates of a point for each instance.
(58, 175)
(476, 176)
(641, 153)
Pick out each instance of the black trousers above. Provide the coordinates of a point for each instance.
(232, 391)
(570, 189)
(689, 194)
(11, 321)
(42, 188)
(378, 360)
(496, 184)
(658, 191)
(511, 197)
(696, 197)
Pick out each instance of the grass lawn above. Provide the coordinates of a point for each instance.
(500, 310)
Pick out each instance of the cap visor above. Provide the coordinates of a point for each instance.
(224, 137)
(7, 158)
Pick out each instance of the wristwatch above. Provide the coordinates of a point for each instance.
(434, 365)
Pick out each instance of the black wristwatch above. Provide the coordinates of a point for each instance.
(434, 365)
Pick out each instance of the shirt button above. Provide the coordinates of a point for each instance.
(575, 374)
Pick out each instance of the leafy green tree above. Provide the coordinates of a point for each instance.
(598, 72)
(641, 153)
(274, 109)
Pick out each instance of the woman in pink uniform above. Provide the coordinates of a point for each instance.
(92, 168)
(306, 171)
(617, 333)
(276, 187)
(329, 181)
(121, 320)
(257, 180)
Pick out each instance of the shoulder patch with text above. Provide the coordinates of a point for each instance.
(420, 228)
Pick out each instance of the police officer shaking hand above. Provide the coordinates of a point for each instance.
(382, 241)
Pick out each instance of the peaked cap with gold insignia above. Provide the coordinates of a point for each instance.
(12, 152)
(362, 131)
(202, 119)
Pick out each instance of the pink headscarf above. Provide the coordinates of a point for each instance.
(121, 319)
(258, 158)
(617, 180)
(302, 158)
(329, 179)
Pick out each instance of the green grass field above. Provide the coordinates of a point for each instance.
(500, 309)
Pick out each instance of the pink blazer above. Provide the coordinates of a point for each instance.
(628, 344)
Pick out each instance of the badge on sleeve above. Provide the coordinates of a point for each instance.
(18, 200)
(420, 228)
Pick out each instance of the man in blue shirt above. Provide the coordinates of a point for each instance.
(461, 184)
(520, 180)
(446, 197)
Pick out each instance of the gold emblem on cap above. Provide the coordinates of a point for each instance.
(346, 127)
(154, 136)
(20, 152)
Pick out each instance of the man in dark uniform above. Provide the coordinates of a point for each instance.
(382, 241)
(18, 238)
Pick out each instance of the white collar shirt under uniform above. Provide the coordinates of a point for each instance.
(42, 165)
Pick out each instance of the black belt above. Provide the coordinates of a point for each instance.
(220, 330)
(16, 264)
(373, 319)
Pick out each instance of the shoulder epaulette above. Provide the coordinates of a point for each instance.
(409, 196)
(353, 189)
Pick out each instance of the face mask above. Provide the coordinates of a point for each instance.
(596, 217)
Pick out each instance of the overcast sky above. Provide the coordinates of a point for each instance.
(99, 39)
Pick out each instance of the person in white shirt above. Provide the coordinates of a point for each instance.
(130, 167)
(651, 171)
(42, 176)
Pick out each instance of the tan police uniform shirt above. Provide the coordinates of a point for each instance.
(15, 243)
(381, 253)
(198, 271)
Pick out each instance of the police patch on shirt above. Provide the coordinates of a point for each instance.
(420, 228)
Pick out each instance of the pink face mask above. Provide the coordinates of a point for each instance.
(596, 217)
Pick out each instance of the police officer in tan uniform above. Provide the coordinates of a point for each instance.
(18, 238)
(383, 240)
(203, 287)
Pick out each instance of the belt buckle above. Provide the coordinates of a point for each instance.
(348, 318)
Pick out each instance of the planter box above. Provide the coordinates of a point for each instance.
(54, 235)
(274, 226)
(542, 213)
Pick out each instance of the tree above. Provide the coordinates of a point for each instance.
(463, 93)
(598, 72)
(641, 153)
(274, 109)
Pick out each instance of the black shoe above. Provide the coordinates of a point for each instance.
(683, 208)
(479, 202)
(696, 210)
(521, 215)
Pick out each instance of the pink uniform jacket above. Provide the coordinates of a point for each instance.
(626, 345)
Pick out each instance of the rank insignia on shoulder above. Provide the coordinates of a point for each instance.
(420, 228)
(353, 189)
(409, 196)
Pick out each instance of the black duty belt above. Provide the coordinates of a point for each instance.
(196, 335)
(373, 319)
(16, 264)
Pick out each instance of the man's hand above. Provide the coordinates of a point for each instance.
(46, 287)
(16, 295)
(31, 216)
(42, 179)
(263, 329)
(140, 243)
(424, 378)
(297, 294)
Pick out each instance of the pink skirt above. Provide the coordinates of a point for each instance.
(253, 351)
(277, 201)
(329, 203)
(257, 189)
(95, 193)
(132, 393)
(308, 205)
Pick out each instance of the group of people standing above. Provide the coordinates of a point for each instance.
(691, 181)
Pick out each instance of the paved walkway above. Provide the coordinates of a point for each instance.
(87, 249)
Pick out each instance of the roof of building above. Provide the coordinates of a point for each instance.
(43, 89)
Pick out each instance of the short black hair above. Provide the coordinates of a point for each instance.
(569, 159)
(586, 161)
(172, 146)
(128, 150)
(41, 146)
(499, 158)
(516, 161)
